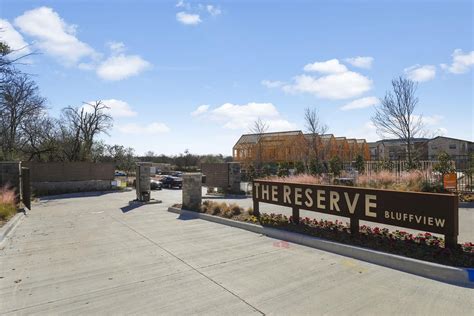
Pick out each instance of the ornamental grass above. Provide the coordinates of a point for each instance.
(405, 181)
(7, 203)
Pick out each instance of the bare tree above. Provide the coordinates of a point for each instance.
(80, 126)
(315, 127)
(258, 128)
(395, 115)
(40, 139)
(20, 104)
(9, 58)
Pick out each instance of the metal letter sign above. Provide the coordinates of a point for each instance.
(436, 213)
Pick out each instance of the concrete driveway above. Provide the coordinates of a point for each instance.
(95, 255)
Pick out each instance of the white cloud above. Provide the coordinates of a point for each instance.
(53, 35)
(144, 130)
(335, 86)
(366, 131)
(421, 73)
(361, 62)
(430, 120)
(183, 4)
(328, 67)
(442, 131)
(119, 108)
(118, 67)
(200, 110)
(234, 116)
(188, 18)
(462, 62)
(214, 11)
(116, 47)
(116, 108)
(13, 38)
(360, 103)
(272, 84)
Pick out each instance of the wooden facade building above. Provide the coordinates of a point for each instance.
(294, 146)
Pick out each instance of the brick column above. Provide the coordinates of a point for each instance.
(192, 191)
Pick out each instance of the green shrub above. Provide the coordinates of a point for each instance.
(432, 187)
(315, 167)
(335, 165)
(444, 165)
(359, 163)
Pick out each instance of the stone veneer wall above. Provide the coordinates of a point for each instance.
(192, 191)
(234, 177)
(51, 188)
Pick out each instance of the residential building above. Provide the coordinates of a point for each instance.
(460, 150)
(396, 149)
(423, 149)
(294, 146)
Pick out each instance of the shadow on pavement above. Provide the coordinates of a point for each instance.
(186, 217)
(78, 195)
(466, 204)
(131, 207)
(225, 197)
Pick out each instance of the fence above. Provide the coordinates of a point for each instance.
(463, 166)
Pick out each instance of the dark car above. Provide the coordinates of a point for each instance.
(171, 182)
(155, 185)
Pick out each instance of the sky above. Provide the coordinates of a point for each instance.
(196, 74)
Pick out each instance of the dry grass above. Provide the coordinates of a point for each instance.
(7, 203)
(300, 178)
(407, 181)
(222, 209)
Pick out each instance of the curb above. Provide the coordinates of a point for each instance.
(9, 227)
(457, 276)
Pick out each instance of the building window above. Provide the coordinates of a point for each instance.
(452, 146)
(434, 147)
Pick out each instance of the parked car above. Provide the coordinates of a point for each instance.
(120, 174)
(172, 182)
(155, 185)
(177, 174)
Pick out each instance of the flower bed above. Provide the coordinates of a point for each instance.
(422, 246)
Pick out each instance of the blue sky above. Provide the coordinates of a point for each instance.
(194, 74)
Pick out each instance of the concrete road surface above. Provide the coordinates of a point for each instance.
(93, 254)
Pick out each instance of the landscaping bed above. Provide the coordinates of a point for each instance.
(422, 246)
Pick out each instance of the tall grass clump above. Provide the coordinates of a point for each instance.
(300, 178)
(7, 203)
(406, 181)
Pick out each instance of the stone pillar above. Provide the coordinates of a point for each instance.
(143, 181)
(234, 177)
(192, 191)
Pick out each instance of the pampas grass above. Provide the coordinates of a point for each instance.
(7, 203)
